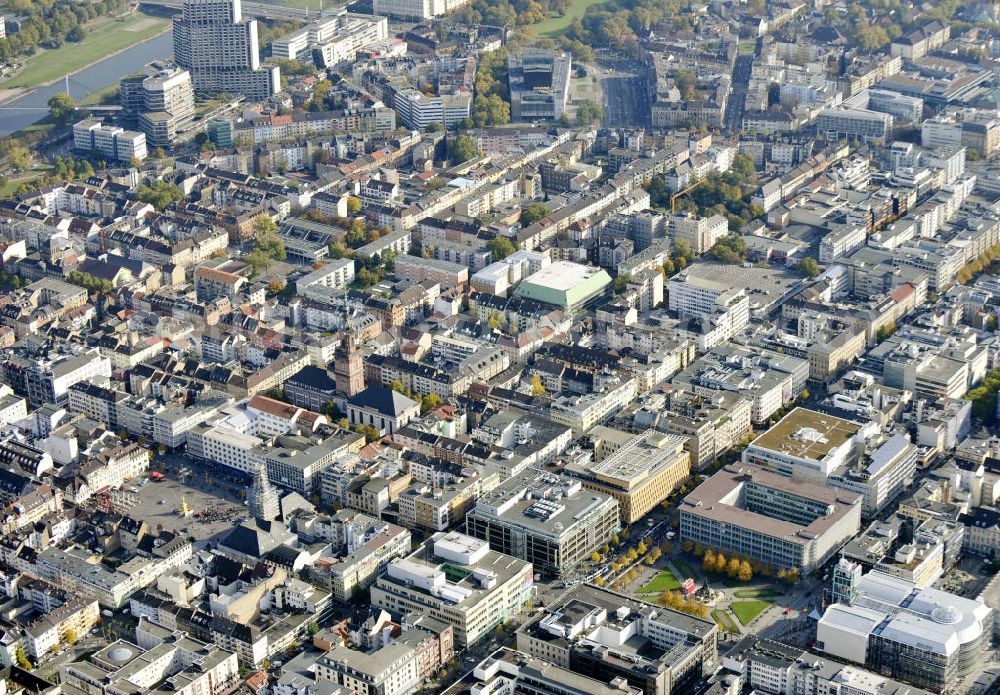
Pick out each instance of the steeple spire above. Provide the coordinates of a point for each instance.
(263, 498)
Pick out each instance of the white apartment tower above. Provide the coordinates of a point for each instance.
(219, 48)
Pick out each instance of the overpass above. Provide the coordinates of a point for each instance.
(254, 9)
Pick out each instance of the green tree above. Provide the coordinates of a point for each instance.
(159, 194)
(258, 261)
(708, 561)
(367, 278)
(730, 249)
(808, 267)
(490, 110)
(21, 659)
(18, 156)
(264, 225)
(683, 250)
(587, 113)
(733, 567)
(353, 205)
(500, 247)
(743, 167)
(389, 260)
(984, 397)
(621, 282)
(885, 331)
(685, 81)
(266, 240)
(870, 37)
(429, 402)
(356, 234)
(533, 213)
(463, 148)
(62, 108)
(337, 249)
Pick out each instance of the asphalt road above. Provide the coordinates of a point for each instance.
(733, 118)
(626, 101)
(625, 86)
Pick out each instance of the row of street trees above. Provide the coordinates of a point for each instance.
(736, 566)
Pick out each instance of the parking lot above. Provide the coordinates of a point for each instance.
(219, 502)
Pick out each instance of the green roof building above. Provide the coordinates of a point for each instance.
(564, 284)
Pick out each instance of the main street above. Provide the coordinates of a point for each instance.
(742, 69)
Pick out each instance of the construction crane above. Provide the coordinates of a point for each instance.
(678, 194)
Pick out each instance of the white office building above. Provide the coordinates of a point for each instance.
(333, 39)
(415, 9)
(417, 110)
(113, 142)
(926, 637)
(854, 124)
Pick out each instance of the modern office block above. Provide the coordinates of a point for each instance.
(605, 635)
(926, 637)
(854, 124)
(168, 105)
(539, 84)
(639, 475)
(220, 132)
(779, 521)
(551, 521)
(417, 110)
(415, 9)
(458, 580)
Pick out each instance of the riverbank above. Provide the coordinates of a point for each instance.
(107, 40)
(32, 106)
(10, 94)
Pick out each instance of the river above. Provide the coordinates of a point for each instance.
(83, 83)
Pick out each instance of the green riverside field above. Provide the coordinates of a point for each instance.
(110, 37)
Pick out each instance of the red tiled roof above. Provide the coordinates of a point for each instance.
(901, 292)
(257, 681)
(273, 407)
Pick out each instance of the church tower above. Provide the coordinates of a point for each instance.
(263, 498)
(348, 370)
